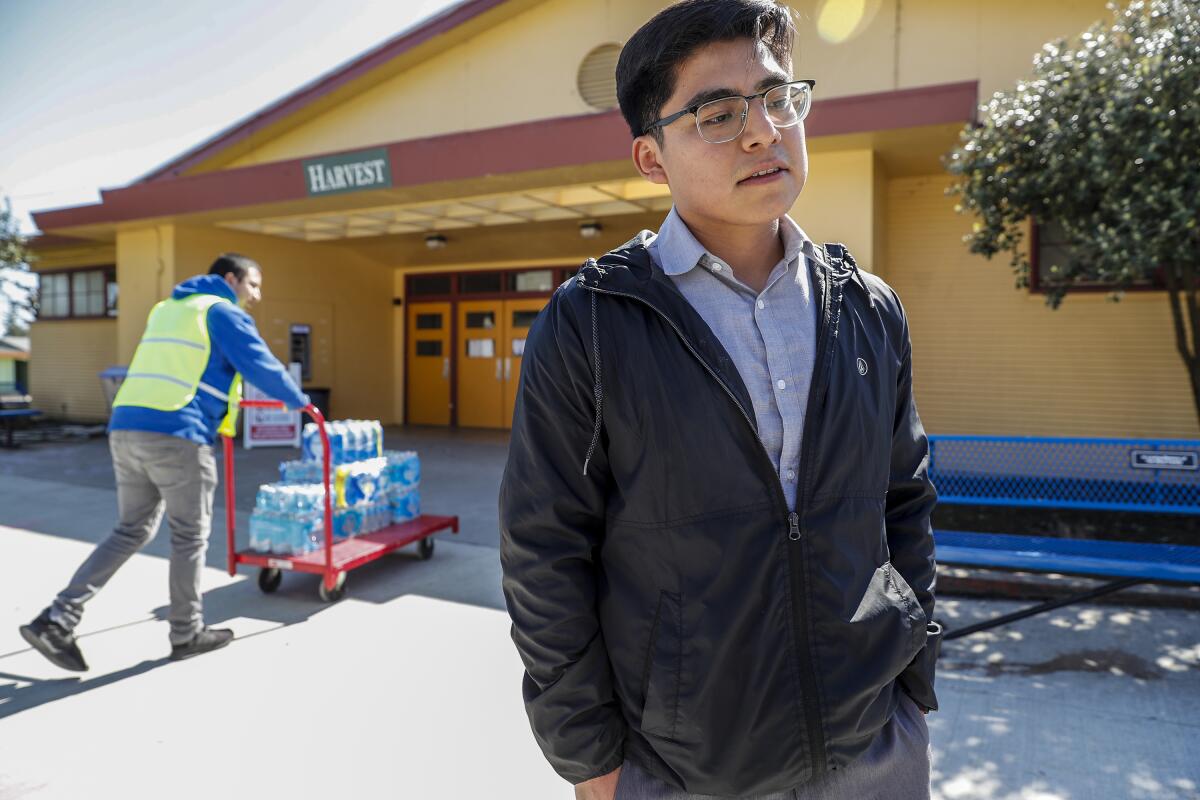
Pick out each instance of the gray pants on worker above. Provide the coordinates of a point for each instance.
(895, 767)
(155, 474)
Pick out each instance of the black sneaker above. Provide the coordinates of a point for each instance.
(56, 643)
(206, 640)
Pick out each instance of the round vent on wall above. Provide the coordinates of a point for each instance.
(597, 78)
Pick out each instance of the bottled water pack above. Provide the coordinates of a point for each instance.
(349, 440)
(371, 489)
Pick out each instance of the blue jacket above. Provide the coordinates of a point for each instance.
(236, 347)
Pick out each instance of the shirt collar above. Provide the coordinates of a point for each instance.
(678, 251)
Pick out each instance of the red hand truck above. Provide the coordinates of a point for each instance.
(334, 560)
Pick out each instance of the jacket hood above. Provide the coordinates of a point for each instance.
(205, 284)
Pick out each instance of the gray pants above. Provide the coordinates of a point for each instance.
(155, 473)
(894, 767)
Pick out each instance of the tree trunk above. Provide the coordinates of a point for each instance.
(1182, 292)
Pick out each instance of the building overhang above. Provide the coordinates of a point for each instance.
(565, 151)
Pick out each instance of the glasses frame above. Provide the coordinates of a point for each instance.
(692, 109)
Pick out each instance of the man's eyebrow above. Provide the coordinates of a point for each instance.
(724, 91)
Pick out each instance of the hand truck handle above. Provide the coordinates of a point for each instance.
(230, 508)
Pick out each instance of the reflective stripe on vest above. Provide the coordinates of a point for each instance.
(171, 357)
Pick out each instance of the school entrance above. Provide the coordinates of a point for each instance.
(465, 337)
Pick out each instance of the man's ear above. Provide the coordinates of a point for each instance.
(647, 158)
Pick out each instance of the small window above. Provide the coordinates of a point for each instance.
(518, 347)
(54, 296)
(83, 293)
(425, 285)
(1054, 250)
(523, 319)
(481, 283)
(112, 292)
(88, 294)
(481, 348)
(429, 347)
(429, 322)
(541, 280)
(481, 319)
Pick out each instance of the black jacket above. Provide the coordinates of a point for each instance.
(665, 603)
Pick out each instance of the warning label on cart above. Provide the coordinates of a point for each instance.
(271, 427)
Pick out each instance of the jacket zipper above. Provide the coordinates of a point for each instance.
(812, 712)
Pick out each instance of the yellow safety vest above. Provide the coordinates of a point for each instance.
(171, 358)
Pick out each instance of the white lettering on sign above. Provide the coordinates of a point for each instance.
(355, 175)
(1157, 459)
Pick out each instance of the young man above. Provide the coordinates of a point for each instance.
(715, 514)
(182, 389)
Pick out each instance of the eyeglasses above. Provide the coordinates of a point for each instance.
(723, 120)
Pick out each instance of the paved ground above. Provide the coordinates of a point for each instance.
(409, 688)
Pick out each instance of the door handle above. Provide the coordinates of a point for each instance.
(445, 368)
(507, 369)
(498, 368)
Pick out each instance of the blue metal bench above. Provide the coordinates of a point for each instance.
(1159, 476)
(10, 417)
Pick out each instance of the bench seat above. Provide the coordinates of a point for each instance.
(1090, 557)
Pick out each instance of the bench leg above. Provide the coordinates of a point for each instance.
(1049, 605)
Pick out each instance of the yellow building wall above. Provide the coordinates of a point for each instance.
(520, 70)
(67, 357)
(525, 68)
(145, 274)
(838, 202)
(993, 360)
(343, 294)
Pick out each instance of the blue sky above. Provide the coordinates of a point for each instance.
(96, 93)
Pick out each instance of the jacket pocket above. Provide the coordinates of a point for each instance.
(663, 664)
(914, 614)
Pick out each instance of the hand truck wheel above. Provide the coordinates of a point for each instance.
(269, 579)
(425, 548)
(336, 593)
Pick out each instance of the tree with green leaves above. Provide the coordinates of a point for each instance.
(16, 289)
(1104, 142)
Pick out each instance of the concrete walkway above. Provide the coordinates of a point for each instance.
(410, 687)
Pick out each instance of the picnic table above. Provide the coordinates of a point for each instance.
(10, 417)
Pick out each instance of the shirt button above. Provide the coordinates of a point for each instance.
(782, 384)
(791, 474)
(762, 304)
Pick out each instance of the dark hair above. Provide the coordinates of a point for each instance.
(649, 62)
(239, 265)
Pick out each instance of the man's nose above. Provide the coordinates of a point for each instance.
(759, 127)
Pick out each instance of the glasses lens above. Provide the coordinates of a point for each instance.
(788, 104)
(721, 120)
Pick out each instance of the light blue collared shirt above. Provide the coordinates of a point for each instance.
(770, 335)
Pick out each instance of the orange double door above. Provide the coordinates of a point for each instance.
(466, 357)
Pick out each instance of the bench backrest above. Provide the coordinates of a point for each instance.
(1153, 475)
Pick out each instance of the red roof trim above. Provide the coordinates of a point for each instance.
(340, 76)
(541, 144)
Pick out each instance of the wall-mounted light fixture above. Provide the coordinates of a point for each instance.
(435, 241)
(590, 230)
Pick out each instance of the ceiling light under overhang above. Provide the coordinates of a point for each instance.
(435, 241)
(590, 230)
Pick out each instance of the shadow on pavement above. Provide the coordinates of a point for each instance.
(15, 697)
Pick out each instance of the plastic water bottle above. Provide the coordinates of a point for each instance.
(362, 445)
(311, 443)
(377, 446)
(405, 504)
